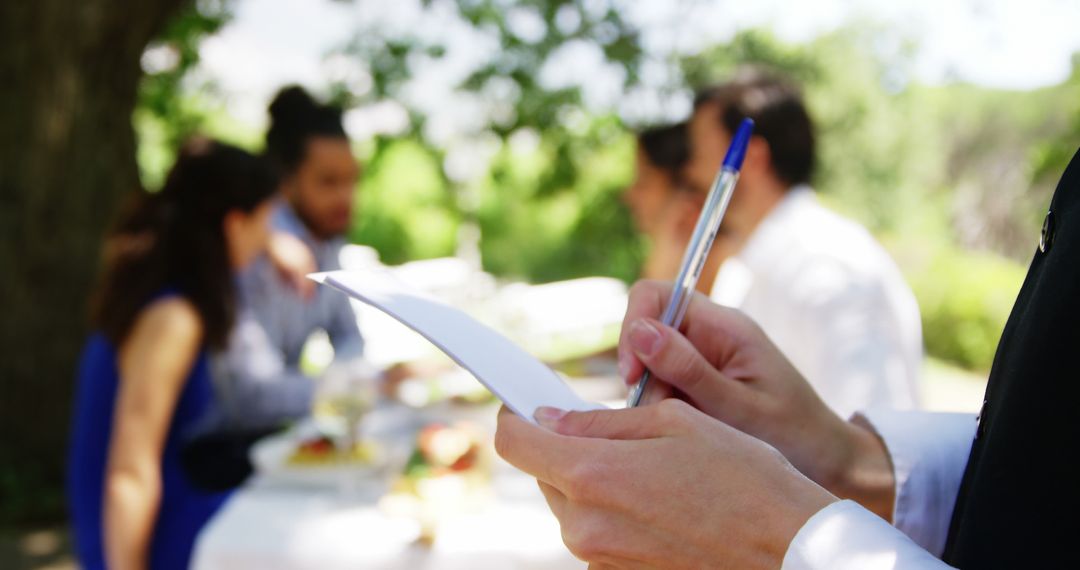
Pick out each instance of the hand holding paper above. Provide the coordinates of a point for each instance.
(517, 378)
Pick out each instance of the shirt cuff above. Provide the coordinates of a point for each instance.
(929, 452)
(845, 536)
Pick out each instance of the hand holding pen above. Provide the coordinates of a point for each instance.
(701, 241)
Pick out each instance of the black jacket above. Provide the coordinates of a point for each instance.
(1019, 503)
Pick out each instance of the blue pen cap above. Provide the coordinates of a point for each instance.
(737, 151)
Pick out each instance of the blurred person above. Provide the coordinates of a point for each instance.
(259, 377)
(818, 284)
(748, 468)
(166, 299)
(664, 209)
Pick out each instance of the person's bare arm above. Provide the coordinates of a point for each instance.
(154, 363)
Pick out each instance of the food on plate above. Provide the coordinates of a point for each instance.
(322, 450)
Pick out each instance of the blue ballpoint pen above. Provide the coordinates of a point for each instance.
(701, 241)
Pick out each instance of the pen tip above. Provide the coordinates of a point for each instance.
(737, 151)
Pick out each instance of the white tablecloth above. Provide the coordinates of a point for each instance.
(272, 525)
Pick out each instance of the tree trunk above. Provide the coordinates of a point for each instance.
(68, 78)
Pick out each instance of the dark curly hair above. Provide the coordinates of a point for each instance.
(295, 117)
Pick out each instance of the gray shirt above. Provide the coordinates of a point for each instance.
(258, 379)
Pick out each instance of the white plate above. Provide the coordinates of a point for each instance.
(271, 460)
(389, 428)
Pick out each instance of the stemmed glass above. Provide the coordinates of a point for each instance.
(348, 390)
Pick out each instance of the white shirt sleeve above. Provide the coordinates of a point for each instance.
(845, 536)
(929, 452)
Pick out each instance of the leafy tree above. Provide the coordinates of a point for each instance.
(163, 114)
(520, 104)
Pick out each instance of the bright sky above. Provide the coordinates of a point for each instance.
(1000, 43)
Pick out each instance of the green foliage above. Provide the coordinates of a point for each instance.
(545, 237)
(1050, 158)
(164, 116)
(543, 214)
(405, 209)
(965, 299)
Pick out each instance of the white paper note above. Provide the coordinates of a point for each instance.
(516, 377)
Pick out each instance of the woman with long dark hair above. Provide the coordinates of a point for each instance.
(167, 296)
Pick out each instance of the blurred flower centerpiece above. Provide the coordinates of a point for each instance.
(448, 472)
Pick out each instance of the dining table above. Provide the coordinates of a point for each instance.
(354, 516)
(292, 519)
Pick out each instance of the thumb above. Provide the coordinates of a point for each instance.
(630, 423)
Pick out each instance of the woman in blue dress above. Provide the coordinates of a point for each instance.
(165, 299)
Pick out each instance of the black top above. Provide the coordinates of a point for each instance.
(1019, 503)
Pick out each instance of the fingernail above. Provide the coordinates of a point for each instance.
(644, 338)
(548, 417)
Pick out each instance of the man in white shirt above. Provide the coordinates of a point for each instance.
(819, 284)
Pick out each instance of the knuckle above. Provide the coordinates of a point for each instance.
(584, 537)
(684, 367)
(584, 481)
(683, 363)
(672, 412)
(588, 424)
(584, 423)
